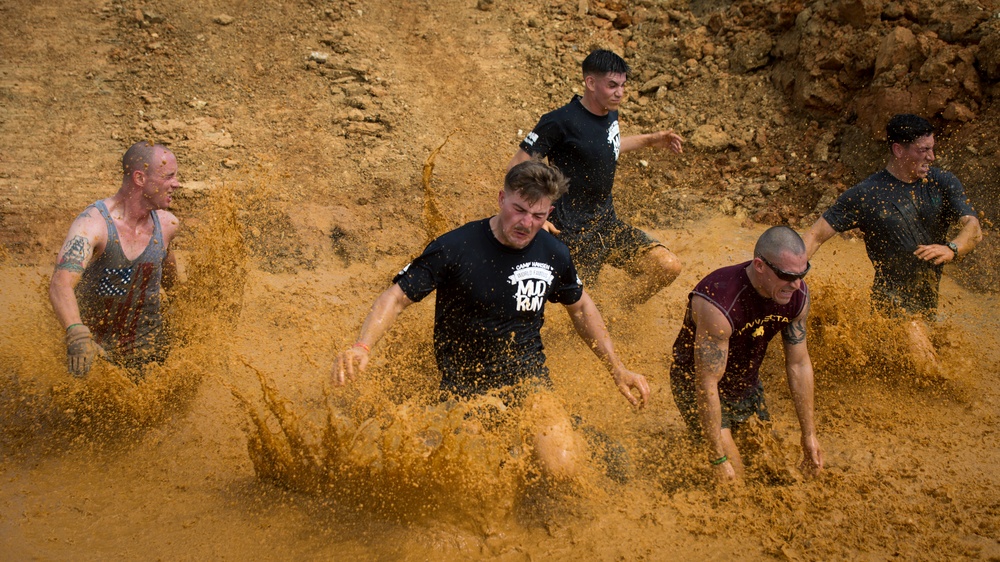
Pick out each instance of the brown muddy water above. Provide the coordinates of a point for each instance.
(238, 448)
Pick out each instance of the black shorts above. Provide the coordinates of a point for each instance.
(611, 241)
(512, 395)
(500, 402)
(734, 413)
(895, 304)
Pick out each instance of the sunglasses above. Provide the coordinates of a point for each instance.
(786, 275)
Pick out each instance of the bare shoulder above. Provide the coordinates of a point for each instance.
(169, 223)
(90, 225)
(709, 319)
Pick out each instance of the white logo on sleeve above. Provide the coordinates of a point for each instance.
(531, 138)
(614, 137)
(532, 280)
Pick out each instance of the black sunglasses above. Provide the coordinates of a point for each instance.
(786, 275)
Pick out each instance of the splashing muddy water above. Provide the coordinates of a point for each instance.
(237, 447)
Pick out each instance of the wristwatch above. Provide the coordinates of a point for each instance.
(953, 247)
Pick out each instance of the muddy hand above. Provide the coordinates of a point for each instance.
(935, 253)
(348, 364)
(812, 457)
(81, 350)
(668, 139)
(551, 228)
(725, 473)
(627, 381)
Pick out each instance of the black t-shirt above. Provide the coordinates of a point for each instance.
(585, 148)
(490, 303)
(895, 218)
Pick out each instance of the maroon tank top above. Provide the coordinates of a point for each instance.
(754, 319)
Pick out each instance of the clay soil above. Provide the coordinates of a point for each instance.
(316, 120)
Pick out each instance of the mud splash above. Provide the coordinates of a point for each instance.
(385, 460)
(403, 461)
(46, 409)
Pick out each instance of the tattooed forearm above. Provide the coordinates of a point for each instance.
(709, 355)
(74, 254)
(794, 333)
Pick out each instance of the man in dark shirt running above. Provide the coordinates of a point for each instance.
(731, 317)
(493, 277)
(905, 212)
(583, 140)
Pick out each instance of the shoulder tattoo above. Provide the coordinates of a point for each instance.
(794, 333)
(74, 253)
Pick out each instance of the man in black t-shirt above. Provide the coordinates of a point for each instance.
(583, 140)
(493, 277)
(905, 212)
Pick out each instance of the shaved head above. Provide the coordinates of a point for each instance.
(778, 239)
(139, 157)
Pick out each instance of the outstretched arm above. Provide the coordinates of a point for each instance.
(711, 353)
(382, 315)
(590, 326)
(798, 368)
(659, 139)
(819, 232)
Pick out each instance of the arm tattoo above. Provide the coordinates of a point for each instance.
(711, 356)
(74, 253)
(794, 333)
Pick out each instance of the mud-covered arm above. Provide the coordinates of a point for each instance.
(970, 235)
(381, 317)
(711, 353)
(591, 328)
(966, 240)
(170, 225)
(818, 233)
(84, 242)
(799, 370)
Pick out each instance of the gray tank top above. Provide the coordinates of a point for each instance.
(120, 299)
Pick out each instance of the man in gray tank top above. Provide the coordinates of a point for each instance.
(106, 286)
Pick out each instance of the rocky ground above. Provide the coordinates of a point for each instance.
(782, 103)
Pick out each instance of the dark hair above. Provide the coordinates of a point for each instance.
(778, 239)
(603, 61)
(534, 179)
(905, 128)
(139, 156)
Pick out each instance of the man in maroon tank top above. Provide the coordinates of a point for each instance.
(731, 317)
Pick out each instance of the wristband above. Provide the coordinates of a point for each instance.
(71, 326)
(363, 346)
(719, 460)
